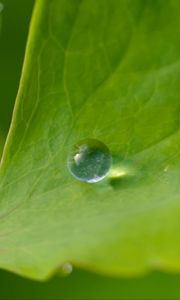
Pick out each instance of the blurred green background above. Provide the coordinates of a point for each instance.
(83, 285)
(80, 284)
(15, 19)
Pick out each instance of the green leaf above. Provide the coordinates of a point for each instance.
(95, 69)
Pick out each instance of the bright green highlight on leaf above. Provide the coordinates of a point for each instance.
(107, 70)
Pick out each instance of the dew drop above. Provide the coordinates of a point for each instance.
(89, 160)
(66, 269)
(166, 168)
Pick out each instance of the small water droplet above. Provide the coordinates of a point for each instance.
(166, 168)
(89, 160)
(66, 269)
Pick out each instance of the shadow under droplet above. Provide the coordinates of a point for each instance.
(122, 174)
(121, 182)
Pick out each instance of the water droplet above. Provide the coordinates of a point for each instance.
(89, 160)
(166, 168)
(66, 269)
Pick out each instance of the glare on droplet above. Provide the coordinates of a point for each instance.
(89, 160)
(77, 158)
